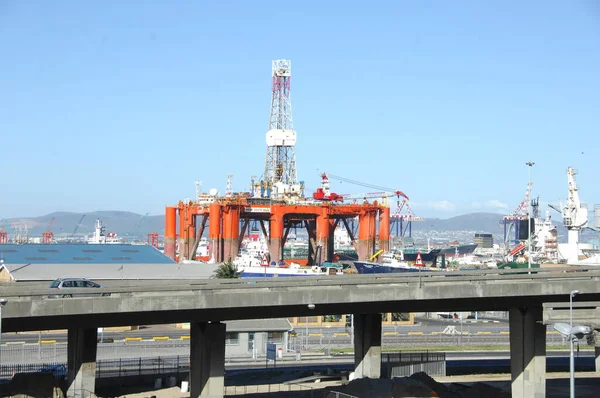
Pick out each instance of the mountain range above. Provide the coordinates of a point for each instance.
(64, 224)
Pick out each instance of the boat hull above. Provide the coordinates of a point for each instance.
(366, 267)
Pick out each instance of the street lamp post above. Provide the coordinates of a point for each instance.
(530, 165)
(571, 357)
(3, 302)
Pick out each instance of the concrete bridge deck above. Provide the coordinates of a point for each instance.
(205, 303)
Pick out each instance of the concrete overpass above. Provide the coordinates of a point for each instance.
(206, 303)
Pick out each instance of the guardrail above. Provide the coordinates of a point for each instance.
(485, 276)
(108, 368)
(398, 364)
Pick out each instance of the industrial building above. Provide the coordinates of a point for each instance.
(484, 241)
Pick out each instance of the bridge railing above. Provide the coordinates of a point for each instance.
(16, 290)
(107, 368)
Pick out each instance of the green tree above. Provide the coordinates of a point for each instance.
(227, 270)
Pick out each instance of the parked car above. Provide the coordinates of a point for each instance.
(76, 287)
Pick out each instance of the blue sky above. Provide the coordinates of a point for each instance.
(122, 105)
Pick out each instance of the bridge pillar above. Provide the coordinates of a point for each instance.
(527, 353)
(597, 350)
(81, 361)
(207, 359)
(367, 345)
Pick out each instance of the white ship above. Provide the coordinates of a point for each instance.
(101, 237)
(545, 241)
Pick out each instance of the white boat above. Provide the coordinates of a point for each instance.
(101, 237)
(252, 266)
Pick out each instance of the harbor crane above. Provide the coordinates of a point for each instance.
(76, 227)
(47, 235)
(3, 233)
(401, 221)
(575, 219)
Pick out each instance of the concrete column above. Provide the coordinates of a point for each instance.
(207, 359)
(527, 353)
(81, 361)
(367, 345)
(597, 350)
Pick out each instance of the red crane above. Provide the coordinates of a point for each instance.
(47, 236)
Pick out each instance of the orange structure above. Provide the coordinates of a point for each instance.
(153, 239)
(47, 237)
(3, 237)
(228, 219)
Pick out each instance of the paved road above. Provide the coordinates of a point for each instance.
(422, 327)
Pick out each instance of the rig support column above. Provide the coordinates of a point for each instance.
(311, 230)
(366, 235)
(276, 234)
(384, 229)
(191, 234)
(527, 352)
(81, 361)
(367, 345)
(183, 231)
(231, 232)
(207, 359)
(170, 231)
(323, 234)
(214, 232)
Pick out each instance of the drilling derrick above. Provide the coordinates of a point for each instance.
(279, 180)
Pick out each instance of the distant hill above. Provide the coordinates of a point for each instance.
(122, 222)
(483, 222)
(127, 223)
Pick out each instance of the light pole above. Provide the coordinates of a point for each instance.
(530, 165)
(571, 358)
(3, 302)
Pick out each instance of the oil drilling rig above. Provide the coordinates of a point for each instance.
(277, 203)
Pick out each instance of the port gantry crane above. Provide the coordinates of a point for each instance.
(401, 221)
(575, 219)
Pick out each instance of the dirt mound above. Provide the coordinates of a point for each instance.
(34, 385)
(418, 385)
(383, 388)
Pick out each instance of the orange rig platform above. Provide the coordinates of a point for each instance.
(227, 220)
